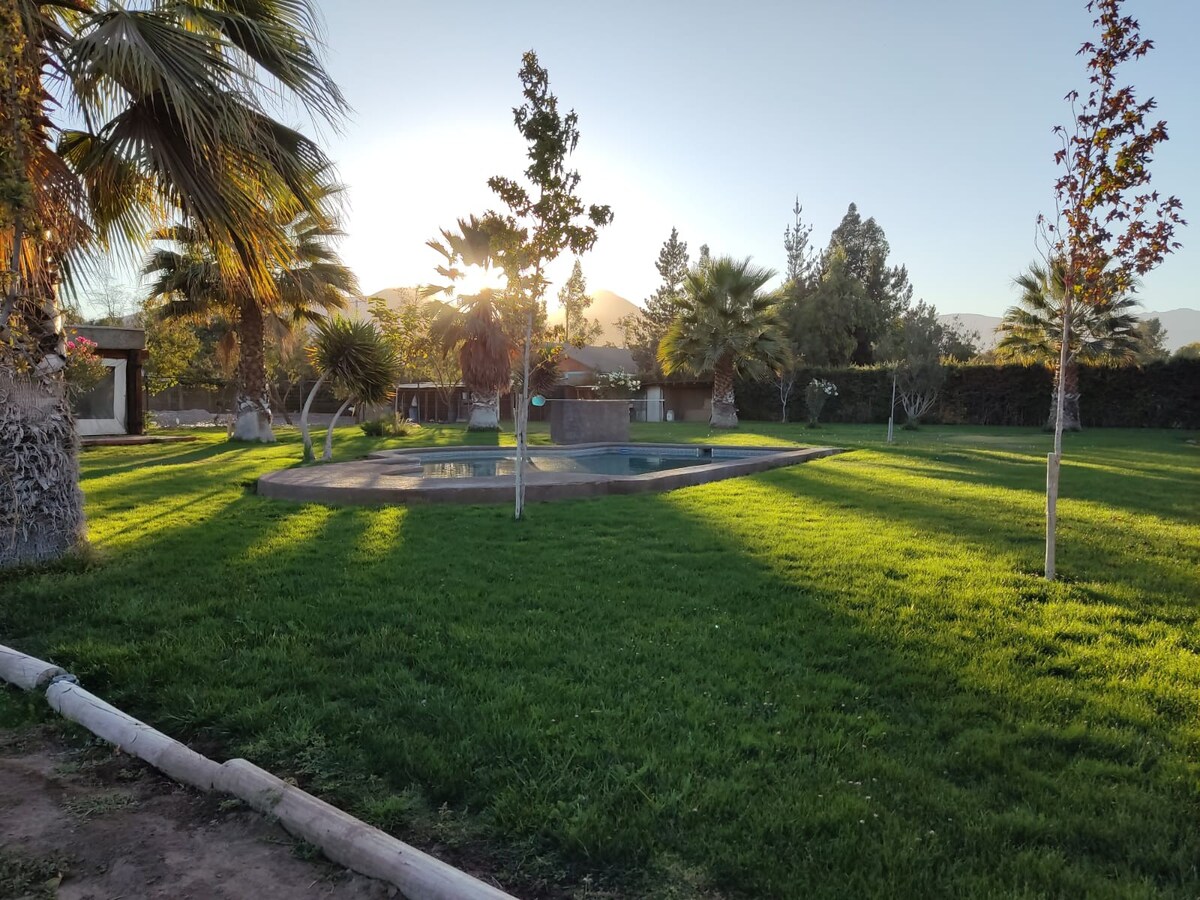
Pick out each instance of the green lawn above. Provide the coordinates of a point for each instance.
(842, 679)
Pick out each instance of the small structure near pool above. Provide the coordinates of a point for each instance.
(485, 474)
(589, 421)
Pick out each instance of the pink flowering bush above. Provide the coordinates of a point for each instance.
(84, 368)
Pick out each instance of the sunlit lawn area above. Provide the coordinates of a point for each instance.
(841, 679)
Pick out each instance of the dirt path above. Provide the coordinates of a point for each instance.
(97, 825)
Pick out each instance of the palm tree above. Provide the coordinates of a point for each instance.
(726, 328)
(306, 274)
(475, 328)
(360, 363)
(114, 121)
(1104, 333)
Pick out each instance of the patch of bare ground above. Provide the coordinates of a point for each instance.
(94, 824)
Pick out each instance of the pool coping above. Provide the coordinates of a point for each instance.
(360, 482)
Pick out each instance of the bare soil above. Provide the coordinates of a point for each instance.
(95, 824)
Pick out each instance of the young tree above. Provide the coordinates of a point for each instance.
(914, 349)
(544, 218)
(1109, 228)
(1152, 341)
(578, 329)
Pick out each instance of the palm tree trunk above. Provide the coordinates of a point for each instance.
(253, 398)
(328, 454)
(485, 411)
(41, 506)
(724, 410)
(1070, 400)
(305, 436)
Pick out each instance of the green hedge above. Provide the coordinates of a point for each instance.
(1161, 395)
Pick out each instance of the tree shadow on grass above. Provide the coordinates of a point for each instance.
(721, 676)
(1095, 548)
(140, 457)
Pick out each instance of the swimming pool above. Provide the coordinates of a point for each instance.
(485, 474)
(619, 461)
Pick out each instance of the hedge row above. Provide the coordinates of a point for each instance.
(1160, 395)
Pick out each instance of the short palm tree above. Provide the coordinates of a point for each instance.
(358, 361)
(1031, 332)
(475, 327)
(306, 276)
(116, 119)
(727, 327)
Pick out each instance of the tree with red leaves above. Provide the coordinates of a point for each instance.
(1109, 227)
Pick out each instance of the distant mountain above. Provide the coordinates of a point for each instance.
(1183, 326)
(984, 326)
(606, 309)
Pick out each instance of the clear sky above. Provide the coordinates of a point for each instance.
(934, 116)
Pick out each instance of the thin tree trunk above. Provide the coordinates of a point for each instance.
(253, 398)
(304, 433)
(724, 410)
(1054, 460)
(522, 419)
(328, 454)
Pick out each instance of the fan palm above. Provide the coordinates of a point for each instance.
(727, 327)
(475, 327)
(116, 120)
(306, 274)
(359, 361)
(1031, 332)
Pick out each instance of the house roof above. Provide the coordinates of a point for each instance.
(602, 359)
(108, 337)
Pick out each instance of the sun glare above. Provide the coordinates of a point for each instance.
(478, 279)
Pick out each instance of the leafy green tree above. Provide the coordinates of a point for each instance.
(287, 360)
(1188, 351)
(115, 118)
(645, 328)
(887, 289)
(821, 317)
(545, 217)
(1152, 341)
(727, 327)
(578, 329)
(171, 347)
(1103, 331)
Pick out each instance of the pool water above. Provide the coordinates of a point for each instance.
(617, 462)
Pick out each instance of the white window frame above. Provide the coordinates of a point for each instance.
(117, 424)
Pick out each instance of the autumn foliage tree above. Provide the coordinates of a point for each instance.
(1109, 227)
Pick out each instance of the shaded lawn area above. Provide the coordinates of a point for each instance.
(841, 679)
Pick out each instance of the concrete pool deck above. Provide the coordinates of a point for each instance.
(393, 476)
